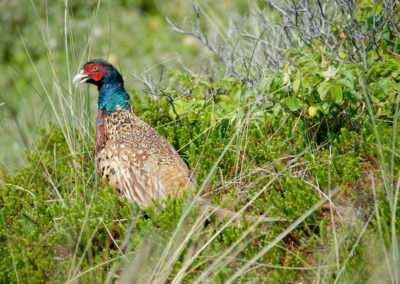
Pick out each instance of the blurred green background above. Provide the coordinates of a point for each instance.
(44, 43)
(316, 126)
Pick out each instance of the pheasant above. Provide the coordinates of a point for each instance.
(134, 159)
(129, 153)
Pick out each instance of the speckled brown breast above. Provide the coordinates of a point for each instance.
(136, 160)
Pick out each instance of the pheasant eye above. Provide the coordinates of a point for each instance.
(95, 68)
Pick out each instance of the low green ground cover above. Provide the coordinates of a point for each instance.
(286, 143)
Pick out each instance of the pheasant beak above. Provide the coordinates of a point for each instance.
(80, 78)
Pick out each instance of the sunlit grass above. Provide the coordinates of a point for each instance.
(186, 254)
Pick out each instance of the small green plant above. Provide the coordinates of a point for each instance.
(290, 121)
(55, 206)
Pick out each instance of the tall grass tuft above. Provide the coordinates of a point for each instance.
(301, 128)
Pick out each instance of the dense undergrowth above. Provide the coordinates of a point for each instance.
(308, 133)
(288, 142)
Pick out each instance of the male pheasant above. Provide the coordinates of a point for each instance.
(129, 153)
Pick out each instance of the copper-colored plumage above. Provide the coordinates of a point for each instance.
(130, 155)
(136, 160)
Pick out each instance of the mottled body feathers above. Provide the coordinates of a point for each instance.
(136, 160)
(130, 155)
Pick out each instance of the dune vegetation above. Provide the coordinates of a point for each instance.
(280, 108)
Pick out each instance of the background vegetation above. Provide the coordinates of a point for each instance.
(281, 108)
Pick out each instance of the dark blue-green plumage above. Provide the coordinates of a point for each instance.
(112, 93)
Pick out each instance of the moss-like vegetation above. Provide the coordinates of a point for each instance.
(57, 223)
(268, 143)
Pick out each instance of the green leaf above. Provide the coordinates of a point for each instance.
(304, 59)
(292, 103)
(325, 107)
(266, 83)
(296, 83)
(344, 82)
(197, 92)
(179, 107)
(337, 94)
(305, 82)
(378, 8)
(312, 111)
(277, 109)
(314, 80)
(348, 74)
(342, 55)
(323, 90)
(366, 4)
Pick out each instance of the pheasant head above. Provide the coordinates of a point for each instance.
(112, 93)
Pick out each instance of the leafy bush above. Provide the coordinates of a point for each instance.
(267, 140)
(59, 224)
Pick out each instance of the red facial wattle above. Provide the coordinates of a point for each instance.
(96, 75)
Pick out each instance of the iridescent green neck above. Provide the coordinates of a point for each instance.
(112, 95)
